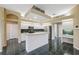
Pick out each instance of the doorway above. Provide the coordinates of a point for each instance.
(63, 37)
(67, 36)
(12, 38)
(57, 38)
(12, 30)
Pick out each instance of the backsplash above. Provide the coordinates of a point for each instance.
(34, 30)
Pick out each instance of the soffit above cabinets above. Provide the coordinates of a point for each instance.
(35, 15)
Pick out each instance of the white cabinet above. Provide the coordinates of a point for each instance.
(34, 40)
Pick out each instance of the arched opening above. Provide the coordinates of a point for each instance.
(12, 27)
(11, 16)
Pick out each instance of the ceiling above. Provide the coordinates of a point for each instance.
(36, 17)
(55, 9)
(22, 8)
(50, 9)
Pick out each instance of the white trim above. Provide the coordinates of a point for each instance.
(19, 41)
(76, 48)
(76, 28)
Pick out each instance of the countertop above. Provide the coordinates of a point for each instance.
(36, 33)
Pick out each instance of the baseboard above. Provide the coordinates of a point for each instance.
(76, 48)
(0, 51)
(76, 52)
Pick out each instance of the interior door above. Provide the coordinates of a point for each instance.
(12, 30)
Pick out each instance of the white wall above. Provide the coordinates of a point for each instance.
(60, 30)
(1, 33)
(2, 22)
(12, 31)
(55, 30)
(75, 13)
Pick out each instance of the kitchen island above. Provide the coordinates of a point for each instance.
(35, 40)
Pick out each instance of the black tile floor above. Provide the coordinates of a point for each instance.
(14, 48)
